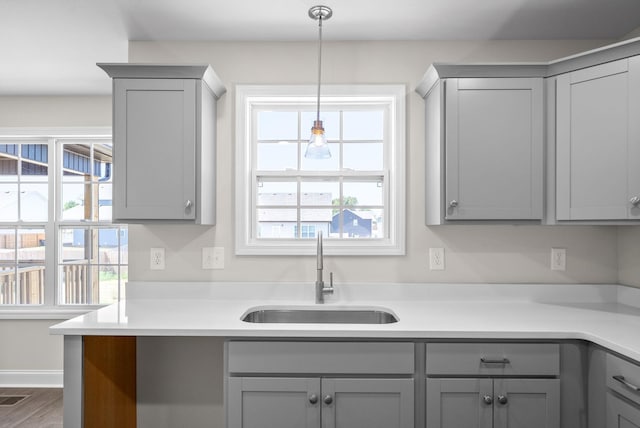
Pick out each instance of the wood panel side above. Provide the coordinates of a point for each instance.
(109, 381)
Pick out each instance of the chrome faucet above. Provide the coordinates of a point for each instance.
(321, 290)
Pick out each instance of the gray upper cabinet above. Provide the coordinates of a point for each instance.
(164, 128)
(598, 142)
(484, 151)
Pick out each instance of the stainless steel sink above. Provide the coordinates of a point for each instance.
(320, 316)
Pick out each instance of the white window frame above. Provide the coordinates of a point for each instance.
(392, 96)
(52, 308)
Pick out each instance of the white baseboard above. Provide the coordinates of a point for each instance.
(31, 378)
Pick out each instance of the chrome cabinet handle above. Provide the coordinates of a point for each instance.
(626, 383)
(502, 399)
(634, 201)
(487, 399)
(313, 399)
(485, 360)
(327, 399)
(188, 204)
(453, 204)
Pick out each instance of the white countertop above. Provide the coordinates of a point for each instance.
(608, 315)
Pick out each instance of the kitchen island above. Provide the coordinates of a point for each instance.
(607, 316)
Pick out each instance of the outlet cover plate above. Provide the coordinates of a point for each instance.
(156, 259)
(436, 258)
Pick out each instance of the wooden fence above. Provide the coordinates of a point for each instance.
(26, 287)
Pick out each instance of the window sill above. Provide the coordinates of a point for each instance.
(374, 247)
(43, 313)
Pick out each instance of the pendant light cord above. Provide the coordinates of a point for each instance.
(319, 63)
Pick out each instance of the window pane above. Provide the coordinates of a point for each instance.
(31, 245)
(331, 164)
(109, 280)
(362, 193)
(124, 246)
(320, 217)
(108, 240)
(30, 285)
(276, 223)
(363, 125)
(7, 284)
(8, 162)
(363, 156)
(8, 202)
(277, 125)
(73, 244)
(73, 287)
(34, 202)
(319, 192)
(272, 193)
(73, 200)
(8, 246)
(330, 123)
(358, 224)
(277, 156)
(105, 201)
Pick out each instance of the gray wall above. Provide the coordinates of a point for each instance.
(473, 253)
(629, 256)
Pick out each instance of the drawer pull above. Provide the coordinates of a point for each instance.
(502, 399)
(487, 399)
(623, 381)
(313, 399)
(485, 360)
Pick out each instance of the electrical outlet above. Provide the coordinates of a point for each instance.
(436, 258)
(156, 259)
(558, 259)
(213, 258)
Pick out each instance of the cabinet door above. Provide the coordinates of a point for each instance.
(154, 149)
(273, 402)
(494, 143)
(598, 142)
(371, 403)
(621, 414)
(455, 403)
(526, 403)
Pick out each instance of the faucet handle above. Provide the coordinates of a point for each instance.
(329, 289)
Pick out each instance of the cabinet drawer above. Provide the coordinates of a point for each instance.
(493, 359)
(320, 357)
(623, 377)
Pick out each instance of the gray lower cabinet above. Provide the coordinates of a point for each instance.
(320, 384)
(621, 414)
(623, 393)
(272, 402)
(598, 142)
(492, 385)
(493, 403)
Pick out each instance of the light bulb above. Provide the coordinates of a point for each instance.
(317, 147)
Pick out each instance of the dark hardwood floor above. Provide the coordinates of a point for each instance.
(42, 408)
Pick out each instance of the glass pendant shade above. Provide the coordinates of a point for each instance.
(317, 147)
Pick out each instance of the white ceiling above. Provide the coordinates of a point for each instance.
(51, 46)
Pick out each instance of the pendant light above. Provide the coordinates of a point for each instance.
(318, 147)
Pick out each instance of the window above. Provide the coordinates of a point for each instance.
(58, 246)
(356, 198)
